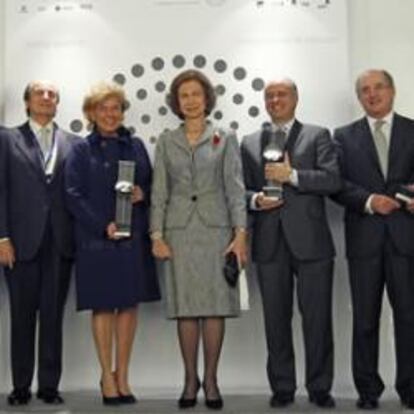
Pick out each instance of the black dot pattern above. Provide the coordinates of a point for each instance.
(163, 110)
(142, 94)
(158, 63)
(119, 78)
(137, 70)
(220, 66)
(76, 126)
(220, 90)
(254, 111)
(239, 73)
(178, 61)
(158, 92)
(238, 98)
(160, 86)
(218, 115)
(258, 84)
(199, 61)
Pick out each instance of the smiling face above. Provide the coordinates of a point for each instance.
(107, 115)
(192, 100)
(375, 93)
(41, 102)
(280, 100)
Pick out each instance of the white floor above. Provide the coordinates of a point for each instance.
(83, 402)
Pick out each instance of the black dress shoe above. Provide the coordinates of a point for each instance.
(281, 399)
(322, 399)
(49, 396)
(367, 402)
(127, 399)
(408, 402)
(185, 402)
(19, 396)
(213, 403)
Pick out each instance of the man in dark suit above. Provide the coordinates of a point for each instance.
(36, 245)
(377, 160)
(291, 237)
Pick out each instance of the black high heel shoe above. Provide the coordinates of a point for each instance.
(108, 400)
(124, 398)
(213, 403)
(184, 402)
(127, 399)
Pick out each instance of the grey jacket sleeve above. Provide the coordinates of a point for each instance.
(233, 182)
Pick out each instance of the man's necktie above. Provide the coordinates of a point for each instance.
(45, 141)
(381, 145)
(280, 137)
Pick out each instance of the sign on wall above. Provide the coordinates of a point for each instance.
(142, 45)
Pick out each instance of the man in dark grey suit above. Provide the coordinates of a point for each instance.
(291, 237)
(377, 161)
(36, 245)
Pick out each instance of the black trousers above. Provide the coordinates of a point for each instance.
(368, 278)
(314, 293)
(37, 291)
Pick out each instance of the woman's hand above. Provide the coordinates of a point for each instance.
(111, 230)
(238, 247)
(161, 250)
(137, 194)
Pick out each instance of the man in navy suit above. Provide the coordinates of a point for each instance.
(36, 246)
(292, 242)
(377, 160)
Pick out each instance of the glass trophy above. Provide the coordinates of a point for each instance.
(272, 153)
(123, 188)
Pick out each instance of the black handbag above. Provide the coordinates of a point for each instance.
(231, 269)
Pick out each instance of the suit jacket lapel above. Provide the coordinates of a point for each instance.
(179, 139)
(294, 138)
(396, 145)
(27, 144)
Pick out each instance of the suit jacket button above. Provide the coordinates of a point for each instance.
(194, 198)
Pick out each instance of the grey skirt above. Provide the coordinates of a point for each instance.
(194, 280)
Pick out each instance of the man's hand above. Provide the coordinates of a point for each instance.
(279, 171)
(267, 203)
(7, 256)
(384, 205)
(410, 206)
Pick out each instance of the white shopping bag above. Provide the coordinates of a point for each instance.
(243, 291)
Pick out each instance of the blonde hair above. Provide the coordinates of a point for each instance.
(100, 92)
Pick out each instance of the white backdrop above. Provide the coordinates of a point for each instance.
(143, 44)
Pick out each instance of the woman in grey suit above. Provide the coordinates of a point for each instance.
(197, 217)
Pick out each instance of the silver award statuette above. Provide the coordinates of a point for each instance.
(123, 188)
(273, 152)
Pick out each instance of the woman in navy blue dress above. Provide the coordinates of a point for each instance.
(113, 274)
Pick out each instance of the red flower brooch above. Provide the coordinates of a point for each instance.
(216, 139)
